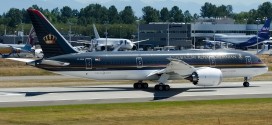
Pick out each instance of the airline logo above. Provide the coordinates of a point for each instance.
(265, 29)
(50, 39)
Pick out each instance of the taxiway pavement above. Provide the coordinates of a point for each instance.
(42, 96)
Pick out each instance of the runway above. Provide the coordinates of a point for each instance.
(43, 96)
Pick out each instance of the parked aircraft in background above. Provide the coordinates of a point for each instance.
(18, 50)
(38, 53)
(222, 45)
(114, 43)
(201, 67)
(244, 41)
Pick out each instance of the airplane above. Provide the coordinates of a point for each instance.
(210, 44)
(115, 43)
(201, 67)
(17, 50)
(244, 41)
(14, 50)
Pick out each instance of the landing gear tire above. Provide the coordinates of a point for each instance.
(166, 87)
(140, 85)
(246, 84)
(156, 87)
(144, 85)
(137, 86)
(160, 87)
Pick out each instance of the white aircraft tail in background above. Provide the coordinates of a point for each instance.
(114, 43)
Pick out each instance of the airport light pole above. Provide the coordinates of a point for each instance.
(5, 29)
(106, 34)
(120, 27)
(214, 35)
(138, 29)
(168, 34)
(258, 22)
(70, 30)
(194, 34)
(22, 31)
(14, 36)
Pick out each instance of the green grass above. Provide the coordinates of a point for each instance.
(235, 111)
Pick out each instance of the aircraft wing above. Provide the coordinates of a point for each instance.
(267, 42)
(140, 41)
(43, 61)
(176, 66)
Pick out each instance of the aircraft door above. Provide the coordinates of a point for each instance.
(139, 62)
(248, 60)
(89, 63)
(212, 61)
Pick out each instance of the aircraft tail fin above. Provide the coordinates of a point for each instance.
(31, 36)
(264, 32)
(27, 47)
(30, 41)
(95, 32)
(51, 41)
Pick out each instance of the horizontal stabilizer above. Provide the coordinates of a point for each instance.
(54, 63)
(22, 59)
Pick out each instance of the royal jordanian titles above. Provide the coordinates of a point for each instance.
(201, 67)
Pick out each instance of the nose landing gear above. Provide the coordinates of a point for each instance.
(246, 83)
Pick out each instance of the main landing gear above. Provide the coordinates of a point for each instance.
(246, 83)
(162, 87)
(140, 85)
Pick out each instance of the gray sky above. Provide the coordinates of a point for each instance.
(192, 5)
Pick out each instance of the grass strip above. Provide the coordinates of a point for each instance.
(233, 111)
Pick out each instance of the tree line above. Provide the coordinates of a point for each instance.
(81, 20)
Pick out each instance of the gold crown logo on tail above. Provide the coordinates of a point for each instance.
(50, 39)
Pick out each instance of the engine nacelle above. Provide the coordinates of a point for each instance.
(206, 77)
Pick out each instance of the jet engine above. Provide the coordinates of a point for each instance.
(206, 77)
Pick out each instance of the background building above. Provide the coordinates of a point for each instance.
(182, 35)
(179, 34)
